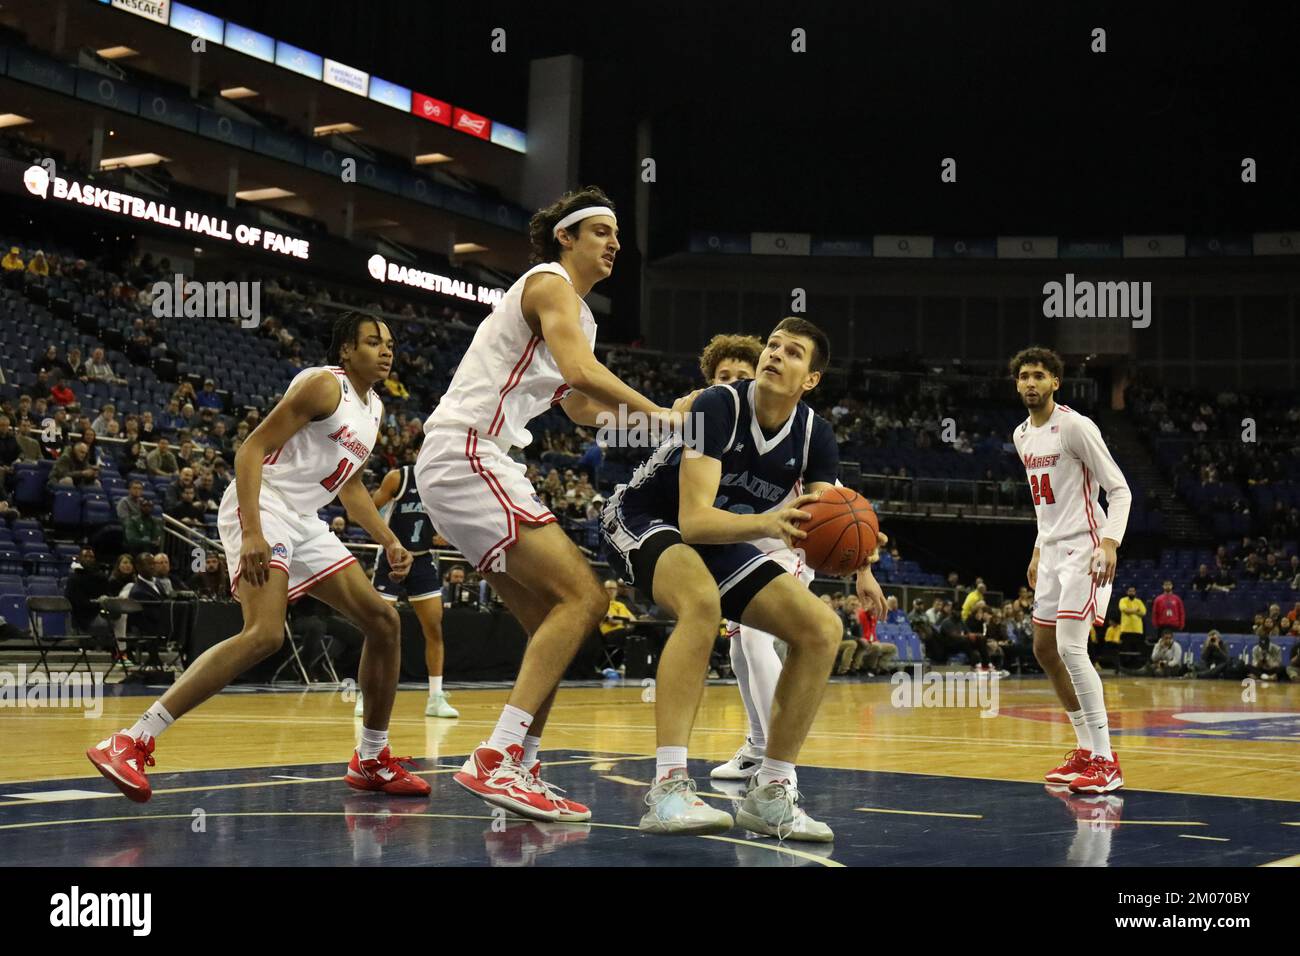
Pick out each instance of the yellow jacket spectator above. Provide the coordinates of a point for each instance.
(38, 266)
(1131, 612)
(972, 599)
(12, 262)
(395, 388)
(618, 616)
(1113, 634)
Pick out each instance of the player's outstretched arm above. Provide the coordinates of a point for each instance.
(315, 396)
(361, 509)
(551, 303)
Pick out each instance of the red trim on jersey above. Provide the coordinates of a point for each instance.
(1065, 408)
(499, 487)
(516, 375)
(299, 590)
(561, 394)
(1039, 620)
(273, 564)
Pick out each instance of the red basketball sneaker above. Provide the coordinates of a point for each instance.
(385, 773)
(570, 810)
(1076, 762)
(1102, 776)
(122, 759)
(501, 780)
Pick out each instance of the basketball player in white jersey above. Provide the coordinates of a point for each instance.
(1073, 565)
(308, 450)
(534, 351)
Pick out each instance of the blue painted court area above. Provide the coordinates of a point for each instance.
(305, 815)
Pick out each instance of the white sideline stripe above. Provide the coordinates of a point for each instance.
(50, 796)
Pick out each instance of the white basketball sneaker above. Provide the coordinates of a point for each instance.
(674, 808)
(773, 810)
(438, 706)
(740, 767)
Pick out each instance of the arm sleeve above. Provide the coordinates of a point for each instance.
(1083, 440)
(823, 454)
(714, 419)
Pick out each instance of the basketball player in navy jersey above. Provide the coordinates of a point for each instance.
(689, 530)
(422, 586)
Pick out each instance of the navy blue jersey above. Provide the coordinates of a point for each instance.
(407, 517)
(760, 471)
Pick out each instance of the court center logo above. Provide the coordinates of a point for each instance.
(1085, 299)
(85, 691)
(951, 689)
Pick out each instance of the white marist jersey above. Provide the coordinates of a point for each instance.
(308, 470)
(1068, 464)
(508, 376)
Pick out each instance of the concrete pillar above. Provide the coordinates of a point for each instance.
(554, 129)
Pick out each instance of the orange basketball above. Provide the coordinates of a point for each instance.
(842, 532)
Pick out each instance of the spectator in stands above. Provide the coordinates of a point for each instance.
(893, 613)
(394, 387)
(212, 582)
(161, 461)
(140, 349)
(172, 419)
(1112, 640)
(168, 583)
(172, 496)
(973, 599)
(107, 414)
(1223, 580)
(134, 457)
(1203, 581)
(918, 620)
(187, 510)
(86, 584)
(936, 614)
(949, 637)
(98, 369)
(1166, 656)
(13, 262)
(1131, 610)
(216, 440)
(148, 431)
(208, 398)
(129, 507)
(339, 527)
(206, 493)
(873, 656)
(1265, 659)
(616, 626)
(144, 531)
(1214, 658)
(1167, 609)
(149, 590)
(122, 579)
(62, 395)
(94, 453)
(75, 364)
(1294, 572)
(1272, 571)
(1293, 666)
(75, 468)
(10, 450)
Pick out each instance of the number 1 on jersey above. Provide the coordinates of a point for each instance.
(1042, 489)
(338, 476)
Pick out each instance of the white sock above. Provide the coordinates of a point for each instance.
(372, 742)
(1072, 645)
(668, 759)
(764, 670)
(531, 746)
(773, 770)
(153, 723)
(511, 729)
(1080, 729)
(435, 685)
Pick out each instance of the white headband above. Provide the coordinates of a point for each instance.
(585, 213)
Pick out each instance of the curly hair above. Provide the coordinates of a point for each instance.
(1037, 355)
(743, 348)
(545, 247)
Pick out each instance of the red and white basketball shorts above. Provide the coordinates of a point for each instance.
(1065, 588)
(477, 496)
(301, 545)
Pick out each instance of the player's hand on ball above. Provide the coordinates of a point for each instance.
(784, 524)
(255, 559)
(869, 593)
(1103, 563)
(399, 561)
